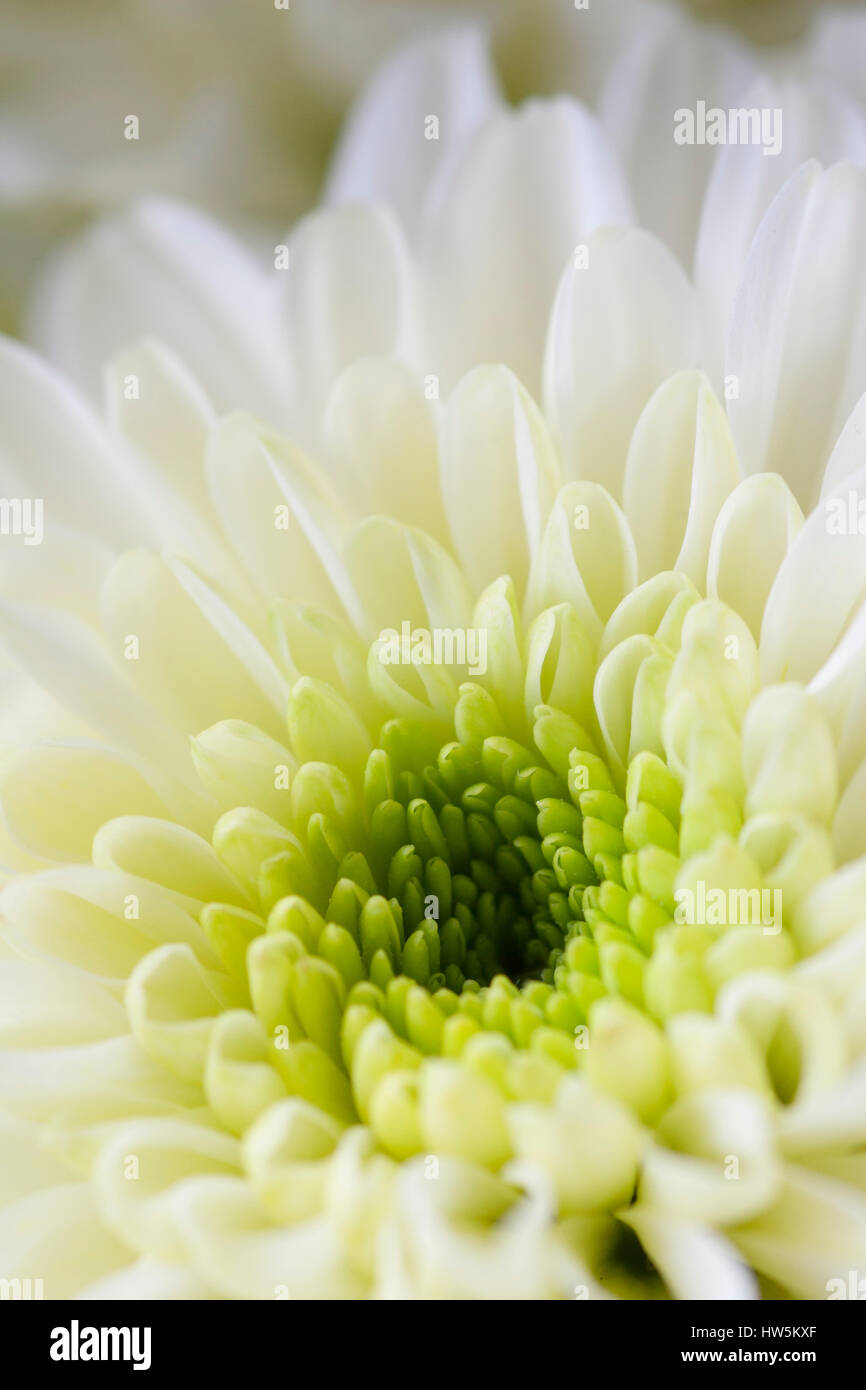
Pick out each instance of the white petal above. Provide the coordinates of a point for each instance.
(500, 226)
(586, 557)
(347, 293)
(233, 1243)
(163, 269)
(89, 1083)
(385, 150)
(403, 575)
(849, 824)
(798, 336)
(621, 325)
(681, 467)
(499, 475)
(49, 1004)
(380, 440)
(63, 655)
(160, 416)
(168, 1151)
(58, 1232)
(817, 590)
(849, 451)
(148, 1280)
(815, 1233)
(65, 573)
(56, 796)
(55, 449)
(816, 122)
(662, 67)
(193, 659)
(283, 517)
(754, 531)
(100, 921)
(25, 1163)
(695, 1263)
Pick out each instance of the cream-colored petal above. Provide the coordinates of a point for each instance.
(380, 444)
(147, 1280)
(815, 121)
(814, 1234)
(754, 531)
(500, 225)
(55, 1236)
(798, 337)
(660, 67)
(819, 586)
(138, 1166)
(849, 452)
(167, 854)
(621, 324)
(281, 513)
(64, 656)
(184, 650)
(586, 557)
(102, 922)
(164, 269)
(55, 449)
(90, 1083)
(419, 108)
(47, 1005)
(402, 576)
(160, 416)
(680, 469)
(499, 475)
(56, 796)
(696, 1263)
(234, 1245)
(348, 293)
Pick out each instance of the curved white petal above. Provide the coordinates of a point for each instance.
(662, 67)
(165, 270)
(185, 651)
(816, 121)
(283, 517)
(414, 114)
(380, 443)
(161, 418)
(586, 557)
(798, 336)
(696, 1263)
(348, 292)
(55, 449)
(499, 475)
(55, 796)
(499, 227)
(819, 586)
(754, 531)
(622, 323)
(681, 467)
(401, 575)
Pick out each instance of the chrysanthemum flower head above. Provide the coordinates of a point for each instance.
(448, 878)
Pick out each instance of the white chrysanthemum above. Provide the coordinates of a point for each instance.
(328, 973)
